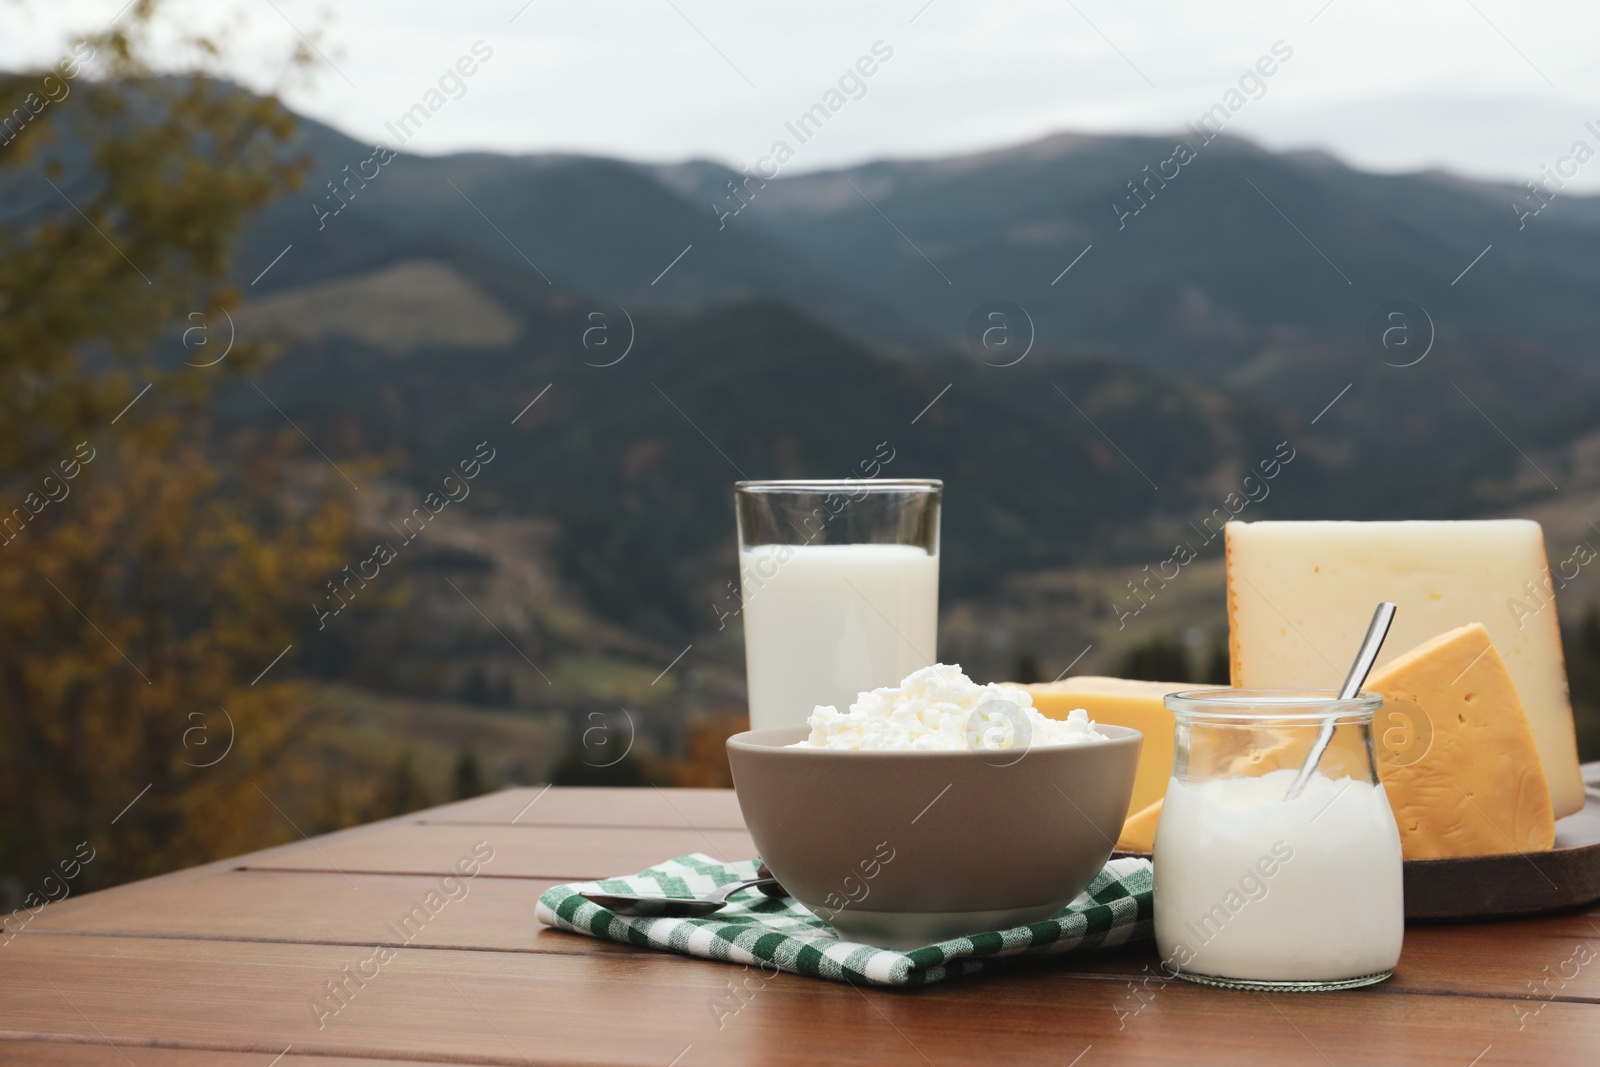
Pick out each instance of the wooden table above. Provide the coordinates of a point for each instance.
(223, 964)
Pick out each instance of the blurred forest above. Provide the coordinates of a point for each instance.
(149, 562)
(155, 563)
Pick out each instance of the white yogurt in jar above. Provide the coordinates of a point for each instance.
(1250, 886)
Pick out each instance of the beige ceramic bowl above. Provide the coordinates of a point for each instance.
(903, 849)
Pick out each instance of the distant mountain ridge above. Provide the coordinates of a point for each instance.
(1244, 248)
(652, 353)
(1252, 271)
(1270, 239)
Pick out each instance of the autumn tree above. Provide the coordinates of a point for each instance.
(152, 567)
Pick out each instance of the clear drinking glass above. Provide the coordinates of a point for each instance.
(840, 588)
(1255, 891)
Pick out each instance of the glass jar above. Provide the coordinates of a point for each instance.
(1257, 891)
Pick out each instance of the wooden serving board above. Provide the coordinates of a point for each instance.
(1521, 883)
(1518, 883)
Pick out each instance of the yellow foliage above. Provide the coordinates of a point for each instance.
(705, 761)
(133, 626)
(143, 593)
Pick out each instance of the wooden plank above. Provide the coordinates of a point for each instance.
(563, 853)
(263, 905)
(1531, 958)
(1525, 960)
(1538, 958)
(292, 854)
(259, 997)
(514, 1008)
(709, 809)
(290, 847)
(55, 1053)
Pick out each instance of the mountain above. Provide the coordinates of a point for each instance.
(1190, 271)
(1247, 270)
(628, 354)
(645, 448)
(1194, 274)
(599, 226)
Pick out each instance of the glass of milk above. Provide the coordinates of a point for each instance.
(1253, 891)
(840, 588)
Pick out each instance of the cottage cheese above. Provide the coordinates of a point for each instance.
(940, 709)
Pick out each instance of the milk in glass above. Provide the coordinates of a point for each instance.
(823, 623)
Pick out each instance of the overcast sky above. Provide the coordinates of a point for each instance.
(1483, 87)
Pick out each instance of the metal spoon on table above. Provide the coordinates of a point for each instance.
(1365, 658)
(684, 907)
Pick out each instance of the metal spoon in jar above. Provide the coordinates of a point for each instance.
(1365, 658)
(684, 907)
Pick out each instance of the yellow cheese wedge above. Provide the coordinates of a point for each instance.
(1480, 789)
(1121, 702)
(1139, 832)
(1300, 595)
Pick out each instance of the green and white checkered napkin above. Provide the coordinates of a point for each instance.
(756, 929)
